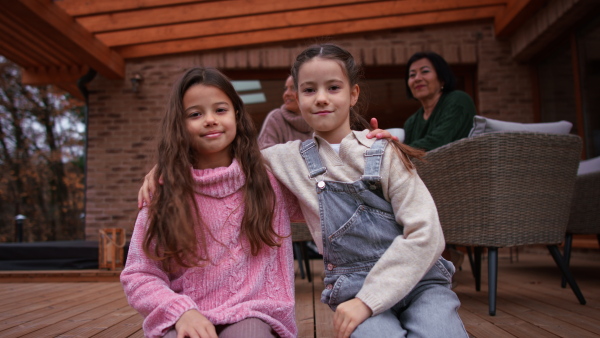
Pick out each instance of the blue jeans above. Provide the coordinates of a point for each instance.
(430, 310)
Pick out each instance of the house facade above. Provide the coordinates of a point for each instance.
(539, 66)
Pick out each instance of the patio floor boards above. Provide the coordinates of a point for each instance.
(530, 303)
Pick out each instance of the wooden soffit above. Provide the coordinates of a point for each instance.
(58, 41)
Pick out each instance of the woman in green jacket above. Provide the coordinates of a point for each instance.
(446, 114)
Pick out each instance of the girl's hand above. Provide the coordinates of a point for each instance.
(379, 133)
(147, 188)
(194, 325)
(348, 316)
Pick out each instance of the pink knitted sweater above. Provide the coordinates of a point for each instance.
(235, 285)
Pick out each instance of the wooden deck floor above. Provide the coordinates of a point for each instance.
(530, 304)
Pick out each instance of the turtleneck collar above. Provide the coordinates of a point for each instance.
(295, 120)
(219, 182)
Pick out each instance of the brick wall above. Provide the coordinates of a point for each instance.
(123, 124)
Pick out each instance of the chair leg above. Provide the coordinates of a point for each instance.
(470, 255)
(558, 259)
(477, 268)
(567, 256)
(492, 278)
(298, 253)
(306, 261)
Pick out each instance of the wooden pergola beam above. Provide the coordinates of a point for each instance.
(514, 15)
(303, 32)
(38, 49)
(196, 12)
(78, 7)
(48, 21)
(304, 17)
(45, 75)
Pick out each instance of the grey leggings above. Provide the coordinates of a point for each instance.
(249, 327)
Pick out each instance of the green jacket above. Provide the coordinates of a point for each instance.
(451, 120)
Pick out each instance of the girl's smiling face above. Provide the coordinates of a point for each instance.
(210, 122)
(325, 96)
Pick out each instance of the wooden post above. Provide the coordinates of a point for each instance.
(110, 248)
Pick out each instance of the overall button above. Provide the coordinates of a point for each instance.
(330, 266)
(321, 185)
(329, 286)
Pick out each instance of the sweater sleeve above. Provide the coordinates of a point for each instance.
(147, 286)
(451, 121)
(270, 131)
(411, 255)
(292, 204)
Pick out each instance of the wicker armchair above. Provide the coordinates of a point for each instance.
(300, 235)
(501, 190)
(585, 211)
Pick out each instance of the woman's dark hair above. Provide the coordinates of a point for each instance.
(443, 71)
(352, 70)
(176, 234)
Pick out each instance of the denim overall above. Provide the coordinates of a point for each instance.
(358, 225)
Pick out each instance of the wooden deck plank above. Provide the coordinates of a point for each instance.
(36, 309)
(33, 292)
(53, 314)
(504, 323)
(59, 276)
(530, 303)
(128, 327)
(305, 316)
(481, 328)
(137, 334)
(41, 299)
(83, 318)
(105, 322)
(13, 290)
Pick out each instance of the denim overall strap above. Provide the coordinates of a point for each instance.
(310, 154)
(373, 157)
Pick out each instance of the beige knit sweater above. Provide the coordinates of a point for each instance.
(410, 256)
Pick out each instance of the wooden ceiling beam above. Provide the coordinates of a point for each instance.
(201, 11)
(278, 20)
(514, 15)
(39, 47)
(15, 54)
(45, 75)
(12, 48)
(303, 32)
(79, 8)
(50, 22)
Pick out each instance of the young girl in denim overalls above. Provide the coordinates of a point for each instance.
(370, 214)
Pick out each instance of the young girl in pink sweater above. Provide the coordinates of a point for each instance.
(211, 254)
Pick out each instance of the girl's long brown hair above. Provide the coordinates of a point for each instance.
(354, 73)
(172, 234)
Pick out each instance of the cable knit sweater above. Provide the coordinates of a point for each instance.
(281, 126)
(235, 285)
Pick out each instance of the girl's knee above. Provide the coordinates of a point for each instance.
(249, 327)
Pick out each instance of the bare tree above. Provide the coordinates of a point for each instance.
(41, 151)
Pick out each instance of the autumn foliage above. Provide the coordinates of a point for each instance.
(42, 138)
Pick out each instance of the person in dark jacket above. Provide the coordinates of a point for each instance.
(446, 114)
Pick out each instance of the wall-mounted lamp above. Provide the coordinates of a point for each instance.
(136, 80)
